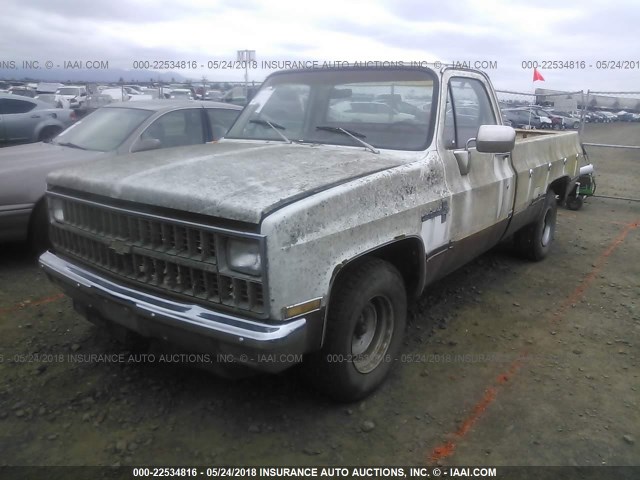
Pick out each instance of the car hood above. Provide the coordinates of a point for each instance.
(36, 156)
(234, 180)
(23, 168)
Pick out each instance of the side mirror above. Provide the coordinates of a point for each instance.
(495, 139)
(144, 144)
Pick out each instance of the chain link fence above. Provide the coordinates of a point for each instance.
(620, 141)
(609, 107)
(583, 111)
(554, 110)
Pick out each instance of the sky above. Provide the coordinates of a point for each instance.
(508, 36)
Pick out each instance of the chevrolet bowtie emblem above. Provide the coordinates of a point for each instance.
(120, 247)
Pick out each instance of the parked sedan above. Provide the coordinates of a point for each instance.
(521, 118)
(593, 117)
(567, 120)
(183, 93)
(24, 119)
(214, 95)
(557, 121)
(626, 117)
(124, 127)
(91, 103)
(23, 91)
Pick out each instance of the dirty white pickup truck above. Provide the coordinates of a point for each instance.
(336, 198)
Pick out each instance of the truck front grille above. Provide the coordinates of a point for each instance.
(181, 258)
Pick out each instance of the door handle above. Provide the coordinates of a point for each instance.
(35, 116)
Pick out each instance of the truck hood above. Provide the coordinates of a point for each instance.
(233, 180)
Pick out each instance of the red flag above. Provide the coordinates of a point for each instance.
(537, 75)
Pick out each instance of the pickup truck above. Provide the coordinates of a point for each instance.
(304, 233)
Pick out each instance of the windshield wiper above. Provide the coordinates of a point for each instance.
(276, 128)
(69, 144)
(355, 135)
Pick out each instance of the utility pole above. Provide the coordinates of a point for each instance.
(246, 56)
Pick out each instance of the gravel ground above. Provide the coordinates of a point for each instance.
(505, 363)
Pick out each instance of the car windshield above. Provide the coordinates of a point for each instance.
(46, 97)
(386, 108)
(103, 130)
(68, 91)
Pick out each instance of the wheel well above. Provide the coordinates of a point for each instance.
(48, 128)
(560, 187)
(40, 204)
(406, 255)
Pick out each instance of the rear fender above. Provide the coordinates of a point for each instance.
(50, 122)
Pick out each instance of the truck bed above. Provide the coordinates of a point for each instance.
(539, 156)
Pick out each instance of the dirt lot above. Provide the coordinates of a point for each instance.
(506, 363)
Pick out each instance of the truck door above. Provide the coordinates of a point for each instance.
(481, 184)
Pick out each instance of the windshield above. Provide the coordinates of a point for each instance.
(103, 130)
(385, 108)
(68, 91)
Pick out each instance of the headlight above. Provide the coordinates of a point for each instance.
(244, 256)
(56, 207)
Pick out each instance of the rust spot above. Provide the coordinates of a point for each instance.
(41, 301)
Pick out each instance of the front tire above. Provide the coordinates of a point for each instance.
(365, 327)
(39, 240)
(534, 240)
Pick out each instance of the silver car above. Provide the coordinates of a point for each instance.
(125, 127)
(24, 119)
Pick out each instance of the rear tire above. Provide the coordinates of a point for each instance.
(48, 133)
(574, 203)
(534, 240)
(365, 327)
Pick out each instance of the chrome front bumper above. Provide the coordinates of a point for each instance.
(271, 347)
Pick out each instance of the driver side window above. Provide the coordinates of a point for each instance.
(468, 107)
